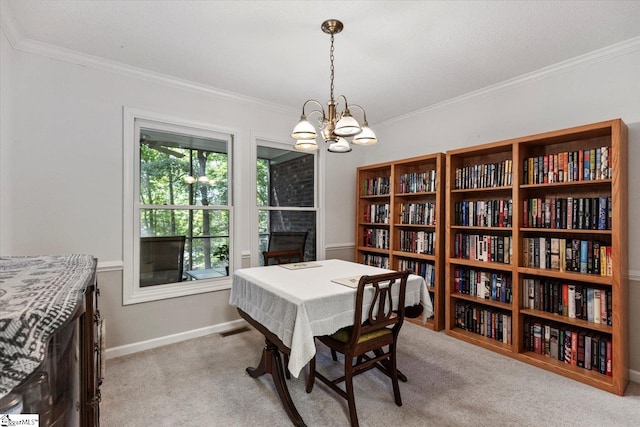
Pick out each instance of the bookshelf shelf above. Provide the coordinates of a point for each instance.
(414, 255)
(415, 198)
(565, 231)
(580, 374)
(483, 301)
(569, 190)
(569, 276)
(558, 318)
(480, 264)
(480, 340)
(570, 184)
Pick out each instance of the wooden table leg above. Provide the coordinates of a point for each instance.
(271, 363)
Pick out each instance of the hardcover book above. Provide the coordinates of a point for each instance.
(590, 297)
(572, 301)
(587, 352)
(596, 305)
(537, 338)
(584, 253)
(553, 343)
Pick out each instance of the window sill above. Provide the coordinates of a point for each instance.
(154, 293)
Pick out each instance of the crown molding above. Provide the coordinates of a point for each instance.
(618, 49)
(19, 42)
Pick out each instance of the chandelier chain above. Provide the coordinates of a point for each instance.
(332, 69)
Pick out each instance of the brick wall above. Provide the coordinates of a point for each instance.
(292, 185)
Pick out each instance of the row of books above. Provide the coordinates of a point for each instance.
(377, 186)
(581, 213)
(418, 213)
(582, 165)
(484, 213)
(575, 347)
(376, 260)
(490, 323)
(567, 299)
(483, 284)
(484, 176)
(418, 242)
(376, 238)
(418, 182)
(574, 255)
(376, 213)
(422, 268)
(487, 248)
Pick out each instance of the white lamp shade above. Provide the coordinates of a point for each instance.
(306, 145)
(366, 137)
(347, 126)
(340, 146)
(189, 179)
(304, 130)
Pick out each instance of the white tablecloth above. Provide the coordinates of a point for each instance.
(297, 305)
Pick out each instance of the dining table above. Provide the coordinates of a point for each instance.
(290, 304)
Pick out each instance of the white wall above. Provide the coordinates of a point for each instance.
(62, 178)
(6, 102)
(595, 89)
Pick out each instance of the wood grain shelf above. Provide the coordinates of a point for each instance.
(461, 163)
(401, 191)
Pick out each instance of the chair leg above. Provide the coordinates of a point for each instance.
(394, 375)
(348, 383)
(334, 355)
(312, 375)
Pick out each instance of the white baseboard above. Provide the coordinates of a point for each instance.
(634, 376)
(124, 350)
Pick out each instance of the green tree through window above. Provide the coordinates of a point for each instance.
(184, 192)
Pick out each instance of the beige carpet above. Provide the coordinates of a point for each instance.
(202, 382)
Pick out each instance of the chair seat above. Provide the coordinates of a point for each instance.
(344, 335)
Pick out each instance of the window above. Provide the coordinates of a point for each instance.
(286, 194)
(181, 211)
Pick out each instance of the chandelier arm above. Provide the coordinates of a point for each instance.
(346, 104)
(364, 113)
(321, 110)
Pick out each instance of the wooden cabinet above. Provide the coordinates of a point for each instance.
(399, 221)
(536, 236)
(55, 363)
(91, 360)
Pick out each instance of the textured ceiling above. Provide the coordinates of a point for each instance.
(393, 57)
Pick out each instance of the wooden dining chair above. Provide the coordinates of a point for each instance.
(366, 339)
(283, 257)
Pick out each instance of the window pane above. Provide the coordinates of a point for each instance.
(285, 178)
(205, 249)
(178, 169)
(271, 221)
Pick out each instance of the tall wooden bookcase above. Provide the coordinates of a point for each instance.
(517, 287)
(400, 221)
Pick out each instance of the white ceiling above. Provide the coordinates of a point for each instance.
(393, 57)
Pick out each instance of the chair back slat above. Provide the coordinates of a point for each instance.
(285, 240)
(380, 313)
(283, 257)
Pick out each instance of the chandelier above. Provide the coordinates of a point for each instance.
(335, 126)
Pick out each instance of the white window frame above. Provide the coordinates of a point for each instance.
(317, 200)
(132, 292)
